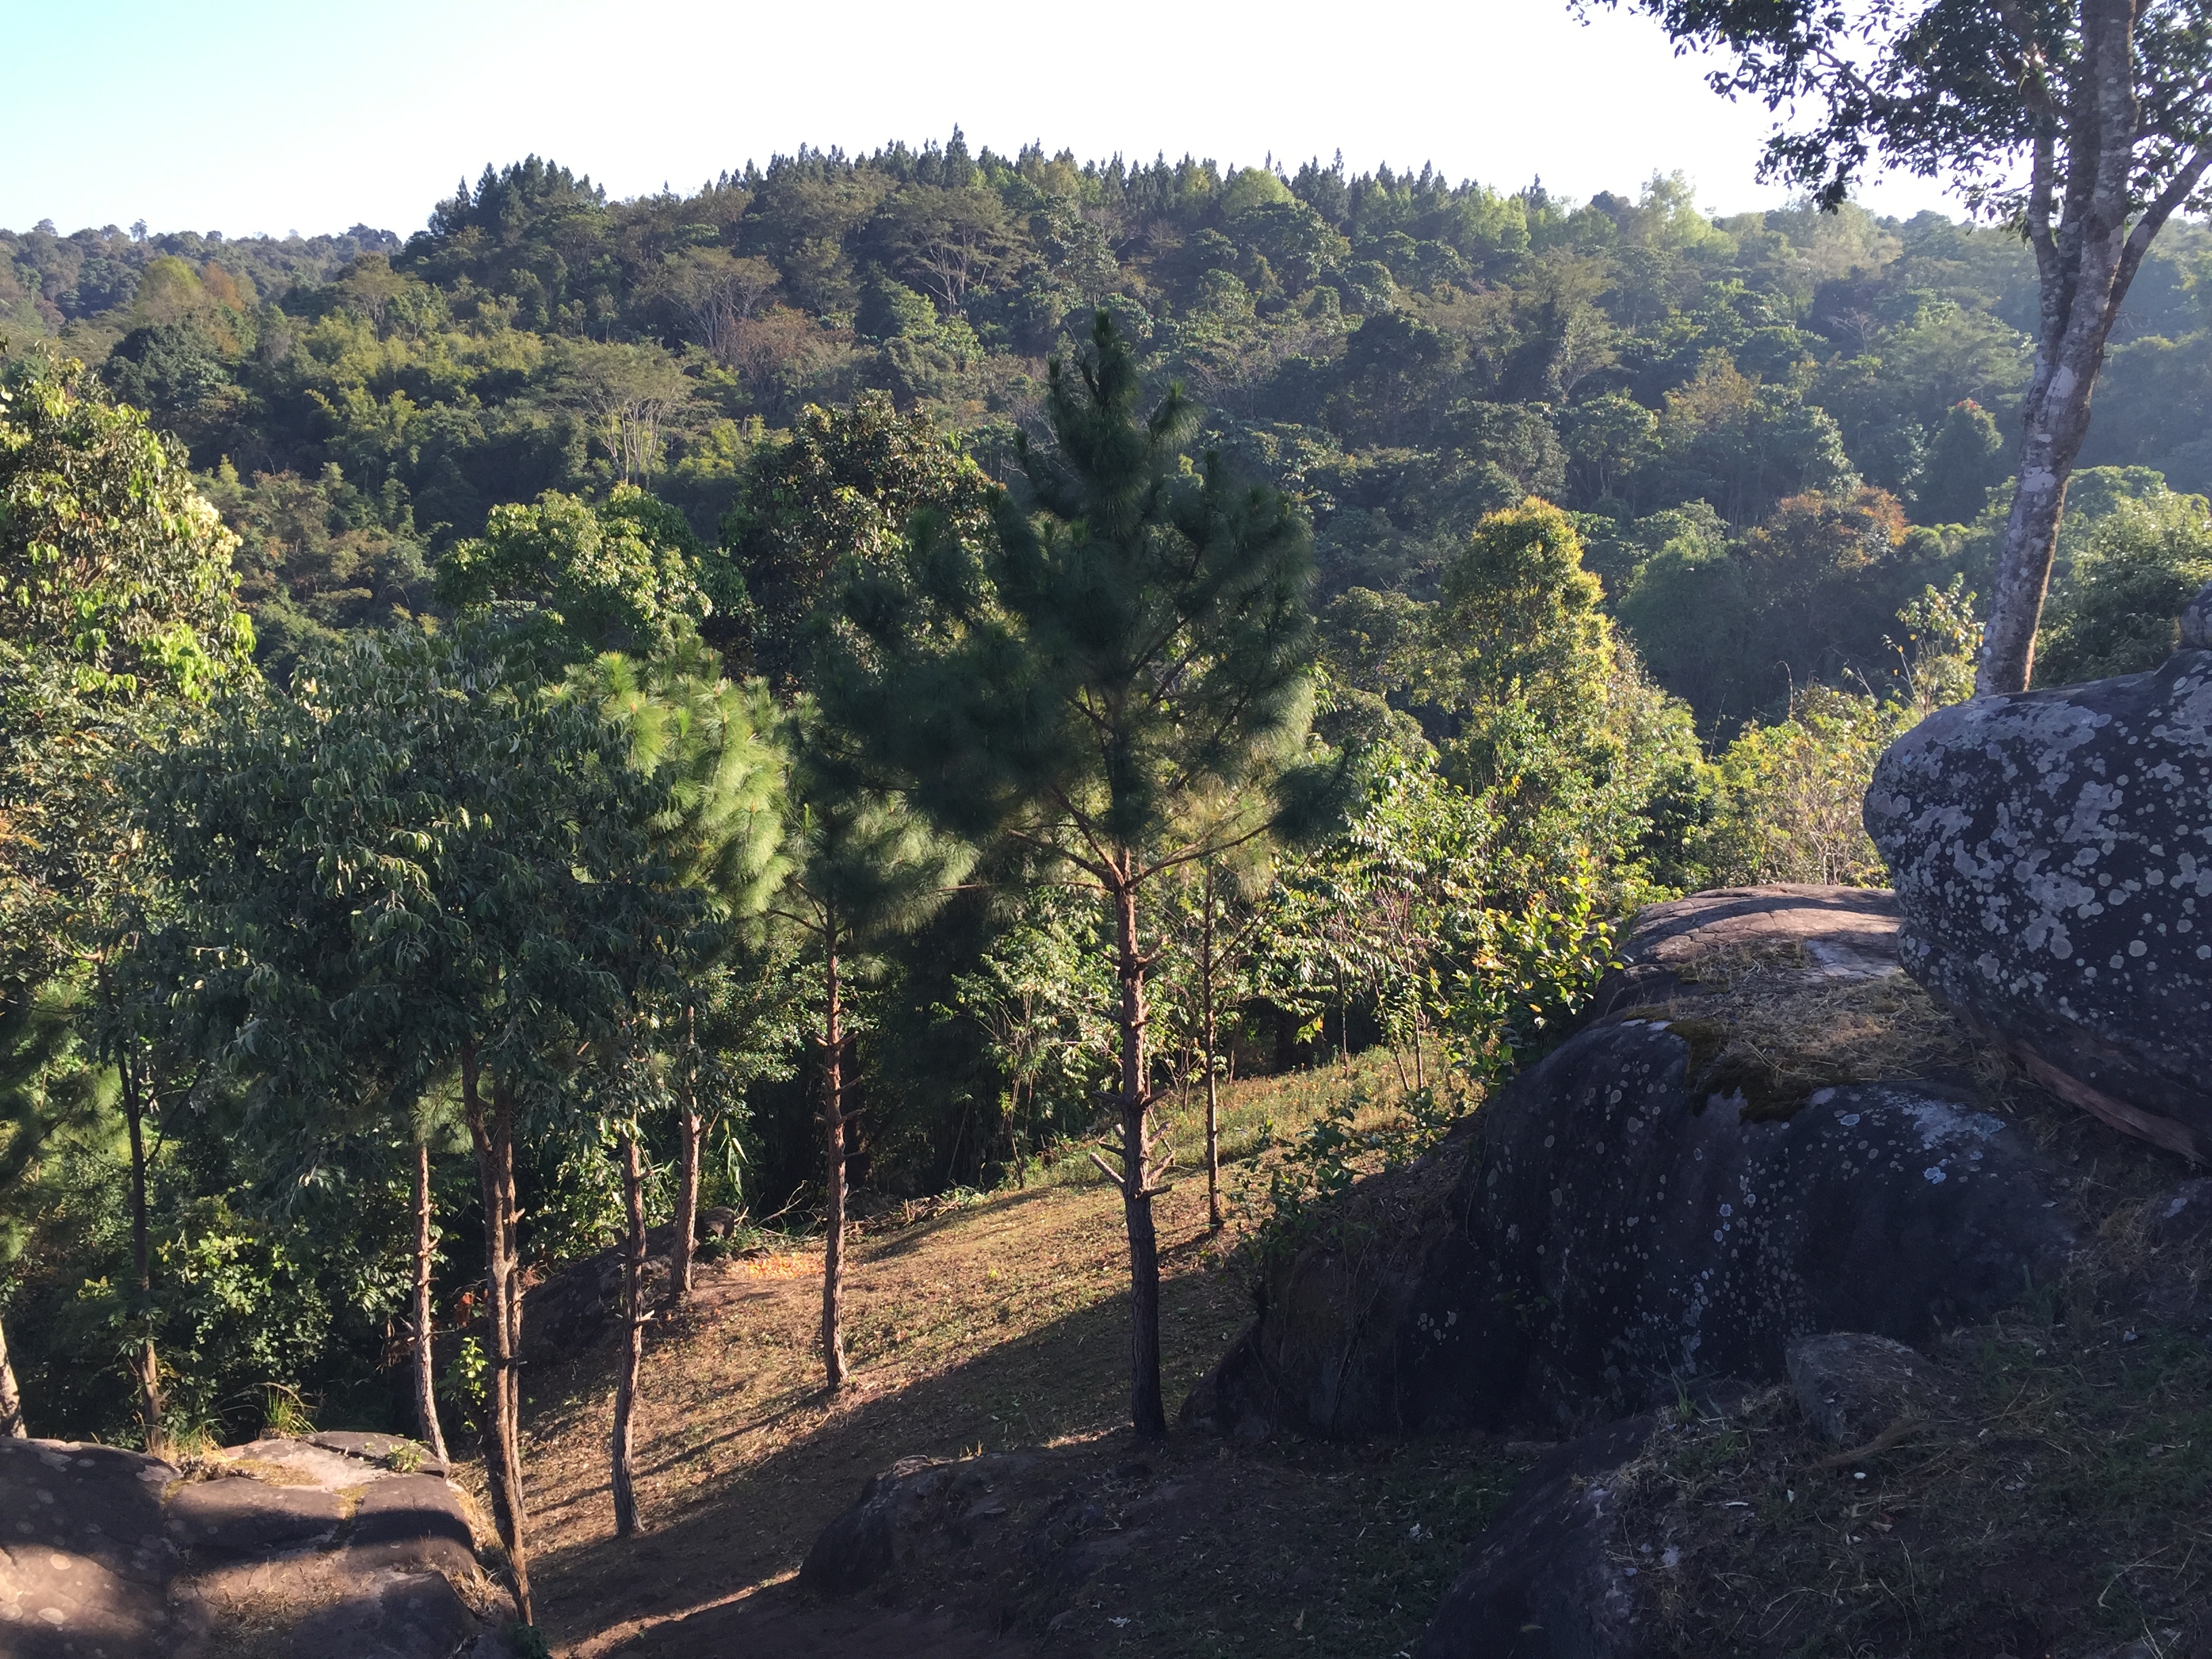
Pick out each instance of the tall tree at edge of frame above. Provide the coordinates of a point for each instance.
(2107, 107)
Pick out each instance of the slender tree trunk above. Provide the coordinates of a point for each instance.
(493, 1133)
(833, 1120)
(11, 1402)
(1146, 1412)
(426, 1379)
(690, 1131)
(2084, 269)
(1213, 1095)
(148, 1365)
(633, 1318)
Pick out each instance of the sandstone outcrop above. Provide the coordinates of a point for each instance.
(349, 1545)
(1771, 1135)
(2052, 852)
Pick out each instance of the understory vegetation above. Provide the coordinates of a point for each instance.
(894, 678)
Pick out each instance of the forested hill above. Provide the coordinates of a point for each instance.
(1403, 353)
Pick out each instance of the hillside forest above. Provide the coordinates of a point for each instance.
(869, 674)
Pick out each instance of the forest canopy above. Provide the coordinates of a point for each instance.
(1576, 553)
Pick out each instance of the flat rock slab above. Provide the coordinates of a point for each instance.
(237, 1516)
(2053, 858)
(1838, 934)
(276, 1548)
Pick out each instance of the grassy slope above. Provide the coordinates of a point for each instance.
(994, 1324)
(2065, 1504)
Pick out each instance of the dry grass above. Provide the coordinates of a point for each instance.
(994, 1323)
(2064, 1507)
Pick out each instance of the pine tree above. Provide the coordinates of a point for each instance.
(1117, 679)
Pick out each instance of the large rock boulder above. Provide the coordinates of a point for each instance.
(340, 1545)
(2052, 852)
(1785, 1144)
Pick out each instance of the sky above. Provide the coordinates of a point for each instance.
(248, 116)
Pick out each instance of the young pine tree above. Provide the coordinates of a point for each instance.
(1118, 679)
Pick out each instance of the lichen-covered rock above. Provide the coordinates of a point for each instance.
(1642, 1208)
(1853, 1387)
(2052, 852)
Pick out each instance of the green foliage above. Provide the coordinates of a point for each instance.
(840, 490)
(620, 576)
(111, 563)
(2118, 609)
(402, 855)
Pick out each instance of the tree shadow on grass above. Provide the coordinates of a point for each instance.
(1067, 1377)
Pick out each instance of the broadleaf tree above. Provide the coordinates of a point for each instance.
(2084, 125)
(403, 868)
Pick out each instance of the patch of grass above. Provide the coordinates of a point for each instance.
(2065, 1505)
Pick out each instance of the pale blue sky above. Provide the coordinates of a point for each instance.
(253, 116)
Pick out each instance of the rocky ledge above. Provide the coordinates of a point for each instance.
(341, 1544)
(1770, 1133)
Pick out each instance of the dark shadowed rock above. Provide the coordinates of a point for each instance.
(1546, 1579)
(1647, 1207)
(2052, 852)
(1852, 1386)
(238, 1515)
(917, 1503)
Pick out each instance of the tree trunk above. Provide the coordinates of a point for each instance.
(1213, 1098)
(1146, 1412)
(690, 1131)
(833, 1119)
(148, 1365)
(634, 1317)
(2057, 419)
(493, 1133)
(426, 1380)
(11, 1402)
(2083, 270)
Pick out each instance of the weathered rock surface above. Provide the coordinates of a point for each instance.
(917, 1503)
(2052, 852)
(1647, 1205)
(1547, 1578)
(1853, 1387)
(281, 1547)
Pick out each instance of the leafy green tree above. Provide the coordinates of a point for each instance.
(2087, 124)
(714, 747)
(110, 562)
(404, 866)
(622, 574)
(842, 489)
(116, 602)
(862, 866)
(1119, 680)
(2118, 611)
(1966, 461)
